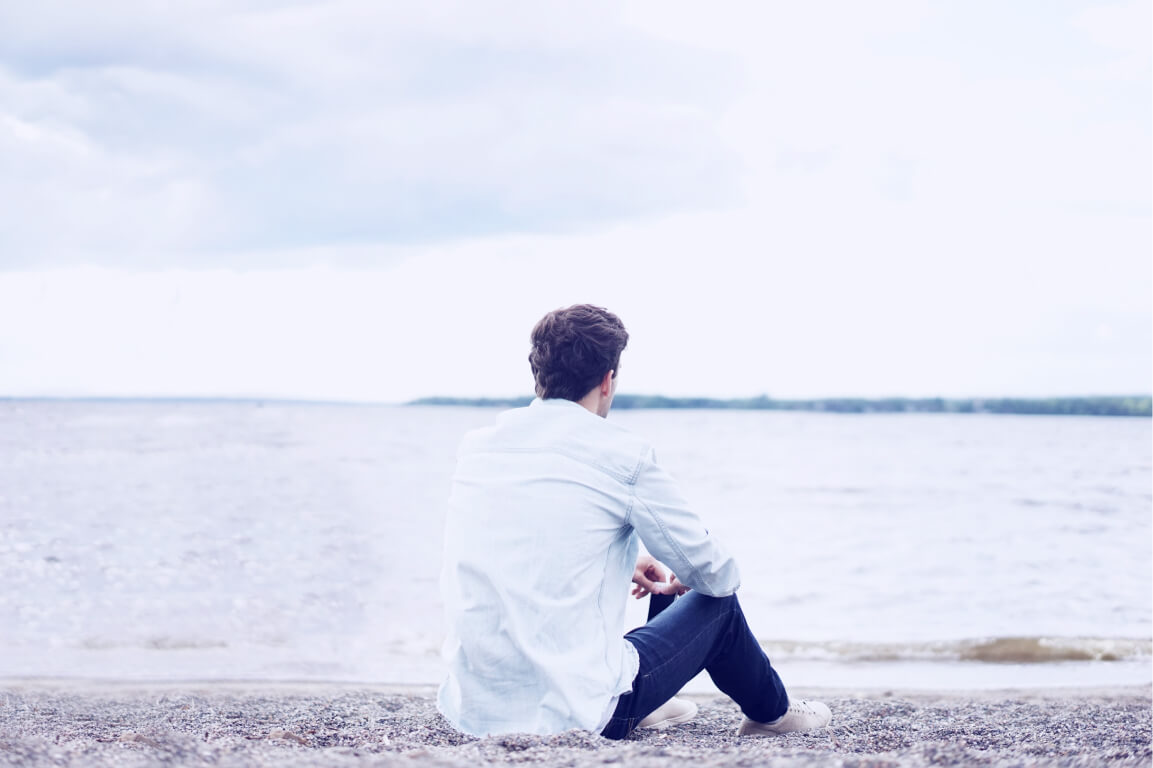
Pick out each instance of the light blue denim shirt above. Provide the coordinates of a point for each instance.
(540, 546)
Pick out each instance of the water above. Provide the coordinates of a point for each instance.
(243, 541)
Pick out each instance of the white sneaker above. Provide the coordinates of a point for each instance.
(672, 712)
(802, 716)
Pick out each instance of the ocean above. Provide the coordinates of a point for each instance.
(200, 540)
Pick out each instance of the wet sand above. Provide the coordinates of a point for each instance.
(71, 723)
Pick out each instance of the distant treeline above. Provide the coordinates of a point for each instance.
(1051, 406)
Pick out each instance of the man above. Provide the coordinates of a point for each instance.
(541, 543)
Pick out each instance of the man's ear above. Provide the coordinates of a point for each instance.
(607, 384)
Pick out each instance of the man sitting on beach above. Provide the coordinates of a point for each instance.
(541, 543)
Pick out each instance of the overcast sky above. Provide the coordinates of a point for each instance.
(376, 201)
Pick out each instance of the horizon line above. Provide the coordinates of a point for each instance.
(292, 400)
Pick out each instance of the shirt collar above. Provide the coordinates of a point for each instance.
(558, 402)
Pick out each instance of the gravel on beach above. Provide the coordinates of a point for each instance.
(230, 725)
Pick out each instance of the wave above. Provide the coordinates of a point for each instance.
(154, 643)
(991, 650)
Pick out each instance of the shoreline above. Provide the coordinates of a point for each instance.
(256, 685)
(66, 722)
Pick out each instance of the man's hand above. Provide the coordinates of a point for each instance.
(651, 577)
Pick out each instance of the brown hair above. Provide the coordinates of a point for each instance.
(573, 348)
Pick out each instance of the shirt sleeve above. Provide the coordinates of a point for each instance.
(674, 534)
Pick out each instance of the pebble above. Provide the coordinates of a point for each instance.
(288, 736)
(205, 726)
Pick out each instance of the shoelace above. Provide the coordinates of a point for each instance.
(802, 707)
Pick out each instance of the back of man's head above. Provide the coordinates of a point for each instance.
(573, 349)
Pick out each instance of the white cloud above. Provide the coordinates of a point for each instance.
(271, 127)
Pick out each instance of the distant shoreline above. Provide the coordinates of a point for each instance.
(1137, 406)
(1140, 406)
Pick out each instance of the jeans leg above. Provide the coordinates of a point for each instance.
(658, 603)
(698, 632)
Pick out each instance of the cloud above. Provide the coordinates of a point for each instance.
(136, 137)
(239, 134)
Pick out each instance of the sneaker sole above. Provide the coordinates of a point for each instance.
(670, 722)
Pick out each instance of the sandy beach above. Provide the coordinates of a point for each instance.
(66, 723)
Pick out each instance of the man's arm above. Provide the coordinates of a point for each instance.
(674, 534)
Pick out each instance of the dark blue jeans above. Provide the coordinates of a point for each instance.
(697, 632)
